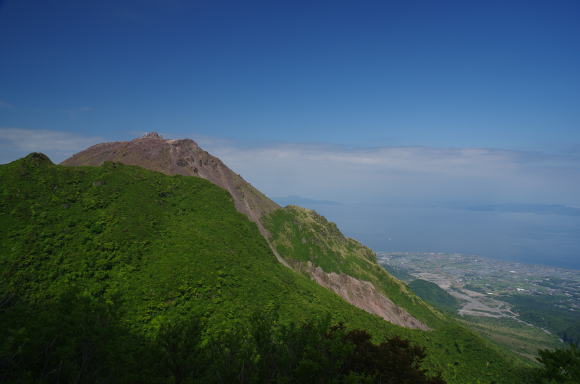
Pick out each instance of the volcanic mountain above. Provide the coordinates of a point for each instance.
(78, 242)
(179, 157)
(300, 239)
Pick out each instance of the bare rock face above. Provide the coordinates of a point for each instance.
(364, 295)
(179, 157)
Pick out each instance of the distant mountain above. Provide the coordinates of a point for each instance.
(538, 209)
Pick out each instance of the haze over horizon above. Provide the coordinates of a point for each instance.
(440, 126)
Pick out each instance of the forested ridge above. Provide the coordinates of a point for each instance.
(119, 274)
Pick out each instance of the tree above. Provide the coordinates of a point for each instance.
(561, 366)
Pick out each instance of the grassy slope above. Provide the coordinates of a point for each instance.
(516, 336)
(302, 235)
(434, 295)
(164, 247)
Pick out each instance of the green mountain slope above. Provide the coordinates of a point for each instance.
(433, 294)
(306, 239)
(302, 236)
(164, 248)
(168, 246)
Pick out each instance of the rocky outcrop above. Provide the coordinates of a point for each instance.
(179, 157)
(364, 295)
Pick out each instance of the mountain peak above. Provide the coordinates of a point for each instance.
(179, 157)
(34, 160)
(39, 158)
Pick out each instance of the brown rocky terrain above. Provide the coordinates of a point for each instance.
(364, 295)
(179, 157)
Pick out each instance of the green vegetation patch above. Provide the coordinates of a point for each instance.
(399, 273)
(434, 295)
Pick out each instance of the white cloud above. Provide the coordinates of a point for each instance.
(18, 142)
(381, 174)
(413, 173)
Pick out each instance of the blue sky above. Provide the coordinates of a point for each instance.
(439, 73)
(409, 102)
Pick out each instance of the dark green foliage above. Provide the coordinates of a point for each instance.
(434, 295)
(176, 352)
(571, 334)
(74, 339)
(559, 366)
(79, 340)
(393, 361)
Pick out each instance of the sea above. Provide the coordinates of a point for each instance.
(526, 237)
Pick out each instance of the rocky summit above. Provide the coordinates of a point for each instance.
(179, 157)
